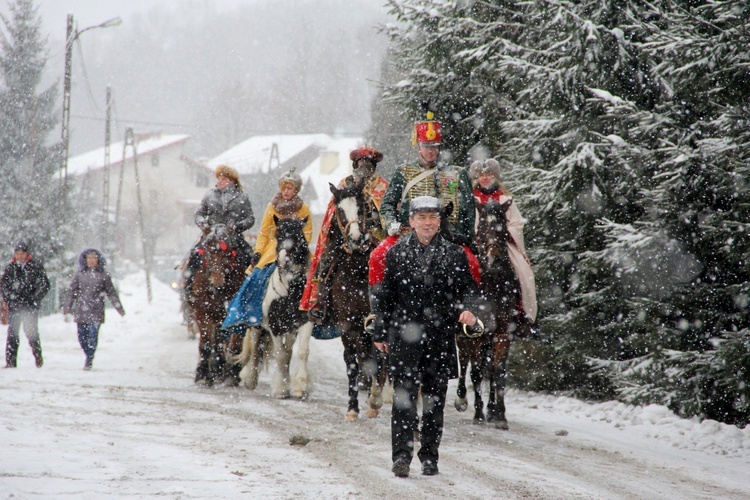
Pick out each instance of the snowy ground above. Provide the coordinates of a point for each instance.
(136, 426)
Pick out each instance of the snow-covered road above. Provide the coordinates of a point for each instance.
(136, 426)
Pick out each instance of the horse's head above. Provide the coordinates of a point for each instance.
(291, 245)
(492, 230)
(218, 254)
(350, 217)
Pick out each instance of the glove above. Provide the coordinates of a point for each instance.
(394, 228)
(254, 259)
(68, 318)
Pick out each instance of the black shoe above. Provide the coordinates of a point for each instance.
(429, 468)
(401, 467)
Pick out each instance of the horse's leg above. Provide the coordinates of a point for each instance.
(478, 365)
(218, 362)
(302, 382)
(249, 373)
(500, 356)
(233, 349)
(372, 368)
(461, 403)
(204, 352)
(352, 374)
(283, 345)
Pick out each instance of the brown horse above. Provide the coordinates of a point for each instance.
(365, 366)
(218, 278)
(488, 353)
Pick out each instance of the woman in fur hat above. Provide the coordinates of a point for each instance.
(485, 176)
(224, 205)
(286, 203)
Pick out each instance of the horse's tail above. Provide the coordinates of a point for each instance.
(243, 356)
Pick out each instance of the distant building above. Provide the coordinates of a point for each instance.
(171, 187)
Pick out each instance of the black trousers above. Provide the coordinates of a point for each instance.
(409, 377)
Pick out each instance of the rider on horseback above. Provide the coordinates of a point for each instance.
(485, 175)
(317, 291)
(224, 207)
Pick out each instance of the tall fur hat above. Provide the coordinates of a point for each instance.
(291, 177)
(366, 152)
(490, 166)
(229, 173)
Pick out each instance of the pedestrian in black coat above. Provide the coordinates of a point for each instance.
(86, 298)
(426, 290)
(24, 285)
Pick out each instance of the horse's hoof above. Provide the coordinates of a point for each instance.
(231, 382)
(301, 395)
(351, 416)
(478, 421)
(282, 395)
(502, 425)
(461, 404)
(372, 413)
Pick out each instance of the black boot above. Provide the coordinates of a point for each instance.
(11, 352)
(36, 349)
(319, 312)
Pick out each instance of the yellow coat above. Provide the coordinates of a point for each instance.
(265, 245)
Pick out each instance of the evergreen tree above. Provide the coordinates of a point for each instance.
(623, 124)
(27, 161)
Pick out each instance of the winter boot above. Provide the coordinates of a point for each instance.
(319, 312)
(36, 349)
(11, 352)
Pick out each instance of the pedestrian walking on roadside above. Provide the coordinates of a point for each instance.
(24, 285)
(85, 298)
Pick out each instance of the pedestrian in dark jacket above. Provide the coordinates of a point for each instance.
(426, 290)
(24, 285)
(86, 298)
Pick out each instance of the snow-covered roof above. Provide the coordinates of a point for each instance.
(93, 160)
(252, 156)
(312, 174)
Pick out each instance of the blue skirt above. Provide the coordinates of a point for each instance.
(246, 308)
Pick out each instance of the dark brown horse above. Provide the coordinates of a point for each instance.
(488, 353)
(365, 366)
(218, 278)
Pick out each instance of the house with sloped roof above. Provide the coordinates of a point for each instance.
(168, 185)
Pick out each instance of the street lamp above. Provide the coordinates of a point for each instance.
(72, 36)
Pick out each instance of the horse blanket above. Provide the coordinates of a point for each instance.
(246, 308)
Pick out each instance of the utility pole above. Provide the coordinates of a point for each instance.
(130, 142)
(105, 172)
(71, 36)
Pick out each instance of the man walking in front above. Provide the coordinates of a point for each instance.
(24, 285)
(426, 293)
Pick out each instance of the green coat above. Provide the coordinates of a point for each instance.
(449, 183)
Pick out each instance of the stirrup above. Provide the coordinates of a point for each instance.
(369, 323)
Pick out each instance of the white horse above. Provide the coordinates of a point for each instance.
(283, 322)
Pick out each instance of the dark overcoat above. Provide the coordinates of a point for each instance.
(85, 297)
(424, 291)
(220, 206)
(24, 285)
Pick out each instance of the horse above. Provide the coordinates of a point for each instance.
(282, 320)
(488, 353)
(366, 367)
(218, 278)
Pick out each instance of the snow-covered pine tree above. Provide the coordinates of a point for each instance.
(27, 159)
(622, 122)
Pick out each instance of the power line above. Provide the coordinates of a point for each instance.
(140, 122)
